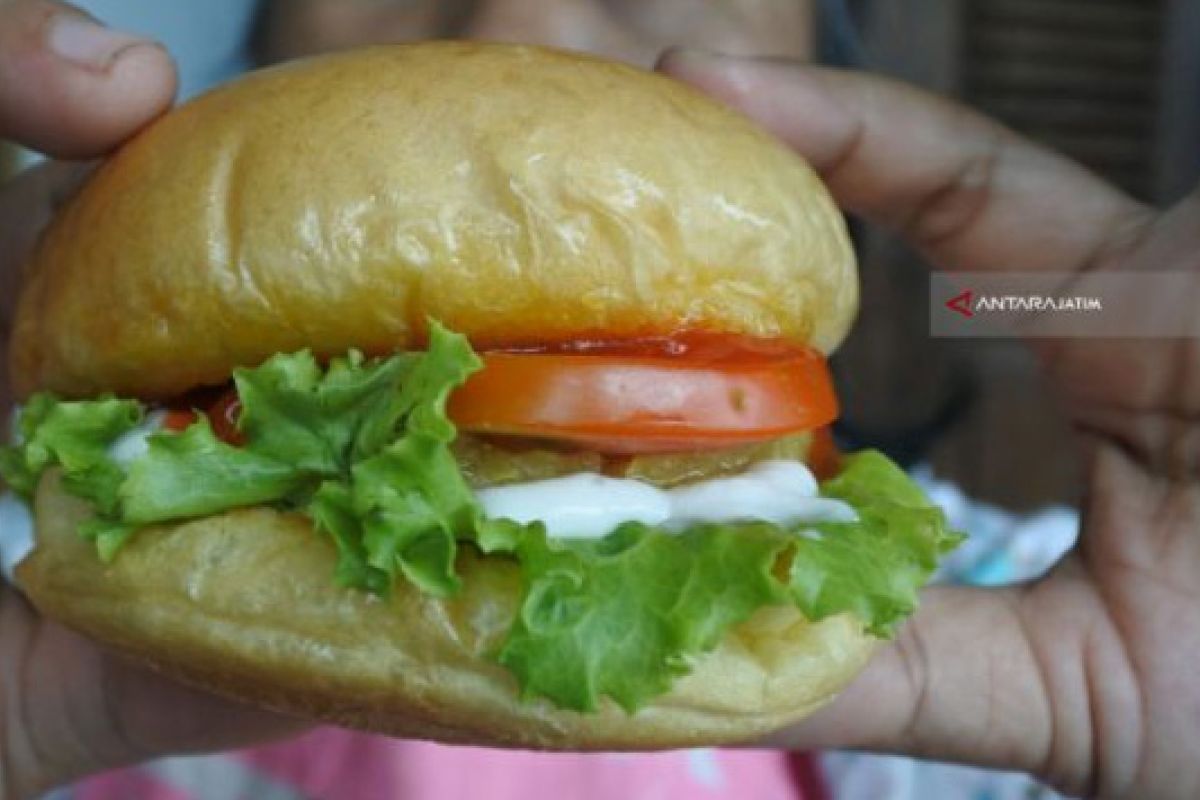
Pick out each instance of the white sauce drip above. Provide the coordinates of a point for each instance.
(16, 518)
(581, 506)
(587, 505)
(131, 445)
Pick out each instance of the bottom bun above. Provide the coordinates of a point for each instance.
(244, 604)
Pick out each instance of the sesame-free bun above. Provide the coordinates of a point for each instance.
(243, 604)
(514, 193)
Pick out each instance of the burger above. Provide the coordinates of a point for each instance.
(460, 391)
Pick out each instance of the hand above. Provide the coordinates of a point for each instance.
(630, 30)
(1088, 677)
(71, 88)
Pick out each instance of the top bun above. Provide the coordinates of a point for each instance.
(516, 194)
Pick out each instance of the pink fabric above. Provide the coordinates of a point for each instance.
(334, 763)
(128, 783)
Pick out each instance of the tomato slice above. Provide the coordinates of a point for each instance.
(704, 392)
(178, 420)
(223, 415)
(696, 391)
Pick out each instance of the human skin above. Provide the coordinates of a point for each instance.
(1086, 678)
(67, 709)
(636, 31)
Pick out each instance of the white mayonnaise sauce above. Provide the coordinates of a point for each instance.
(583, 506)
(131, 445)
(588, 505)
(16, 518)
(783, 492)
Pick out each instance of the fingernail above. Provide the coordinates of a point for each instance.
(83, 41)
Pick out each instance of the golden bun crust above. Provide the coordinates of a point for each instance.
(513, 193)
(243, 604)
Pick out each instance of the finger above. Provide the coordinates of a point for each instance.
(80, 711)
(967, 191)
(27, 203)
(72, 88)
(157, 716)
(1175, 243)
(31, 198)
(997, 677)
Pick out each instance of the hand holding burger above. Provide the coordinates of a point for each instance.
(68, 707)
(1085, 677)
(463, 391)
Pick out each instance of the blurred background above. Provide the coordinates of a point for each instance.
(1113, 83)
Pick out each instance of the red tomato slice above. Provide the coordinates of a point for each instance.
(703, 391)
(178, 420)
(223, 414)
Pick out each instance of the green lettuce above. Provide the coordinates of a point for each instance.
(75, 434)
(362, 446)
(874, 567)
(622, 616)
(195, 474)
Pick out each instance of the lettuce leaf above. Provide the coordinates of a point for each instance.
(405, 504)
(403, 510)
(874, 567)
(77, 435)
(332, 510)
(362, 446)
(294, 412)
(195, 474)
(623, 615)
(108, 534)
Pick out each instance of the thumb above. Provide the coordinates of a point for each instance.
(69, 86)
